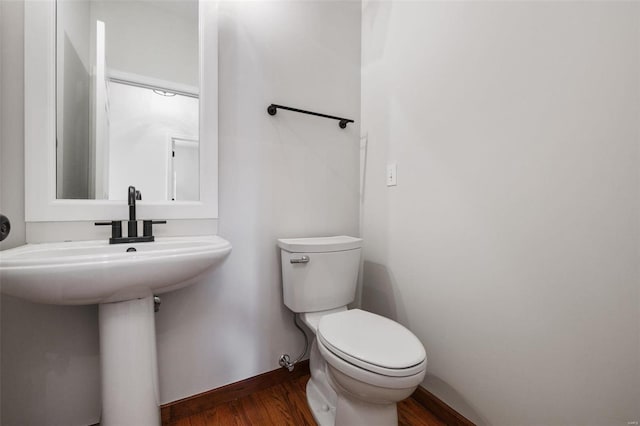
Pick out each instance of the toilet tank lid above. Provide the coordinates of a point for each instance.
(319, 244)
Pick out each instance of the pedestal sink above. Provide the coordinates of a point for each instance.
(122, 279)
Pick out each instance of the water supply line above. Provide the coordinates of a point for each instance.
(285, 359)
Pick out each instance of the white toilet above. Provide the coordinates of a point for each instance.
(362, 364)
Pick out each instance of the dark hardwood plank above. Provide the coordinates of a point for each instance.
(202, 402)
(183, 422)
(285, 404)
(411, 413)
(277, 405)
(297, 396)
(197, 420)
(252, 411)
(224, 414)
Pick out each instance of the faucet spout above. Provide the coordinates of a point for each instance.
(132, 196)
(131, 200)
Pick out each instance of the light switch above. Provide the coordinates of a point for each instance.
(392, 174)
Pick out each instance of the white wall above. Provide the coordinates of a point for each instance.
(510, 245)
(11, 121)
(283, 176)
(49, 358)
(157, 39)
(11, 136)
(288, 175)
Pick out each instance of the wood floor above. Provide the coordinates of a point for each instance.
(285, 404)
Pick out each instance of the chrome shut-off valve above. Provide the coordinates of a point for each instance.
(285, 362)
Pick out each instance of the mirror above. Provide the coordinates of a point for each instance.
(127, 99)
(42, 202)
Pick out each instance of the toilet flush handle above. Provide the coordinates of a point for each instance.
(303, 259)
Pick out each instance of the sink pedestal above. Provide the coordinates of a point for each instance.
(129, 367)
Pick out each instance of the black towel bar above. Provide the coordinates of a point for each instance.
(342, 122)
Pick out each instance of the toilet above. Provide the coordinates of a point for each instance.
(362, 364)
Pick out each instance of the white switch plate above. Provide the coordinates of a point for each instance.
(392, 174)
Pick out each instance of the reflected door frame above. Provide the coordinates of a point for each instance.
(171, 173)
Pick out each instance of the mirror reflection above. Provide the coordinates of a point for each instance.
(127, 107)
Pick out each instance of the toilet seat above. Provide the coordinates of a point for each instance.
(372, 342)
(369, 377)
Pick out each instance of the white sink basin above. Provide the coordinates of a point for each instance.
(88, 272)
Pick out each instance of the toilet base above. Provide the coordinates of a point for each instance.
(321, 397)
(362, 402)
(324, 413)
(352, 411)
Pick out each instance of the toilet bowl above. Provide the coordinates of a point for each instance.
(361, 363)
(373, 362)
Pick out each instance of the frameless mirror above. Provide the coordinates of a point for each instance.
(127, 99)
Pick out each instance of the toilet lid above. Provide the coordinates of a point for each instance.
(367, 339)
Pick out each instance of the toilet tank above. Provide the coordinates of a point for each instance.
(319, 273)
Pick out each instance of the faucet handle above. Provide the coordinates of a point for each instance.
(147, 226)
(138, 195)
(116, 227)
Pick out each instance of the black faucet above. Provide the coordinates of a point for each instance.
(132, 224)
